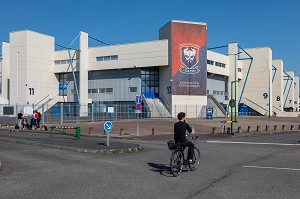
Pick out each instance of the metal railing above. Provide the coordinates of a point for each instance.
(70, 113)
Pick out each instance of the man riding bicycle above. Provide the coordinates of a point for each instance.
(180, 128)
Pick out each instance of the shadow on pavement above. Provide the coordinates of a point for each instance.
(163, 169)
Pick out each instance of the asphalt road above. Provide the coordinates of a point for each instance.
(245, 167)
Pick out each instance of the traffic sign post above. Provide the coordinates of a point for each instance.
(138, 110)
(138, 99)
(107, 127)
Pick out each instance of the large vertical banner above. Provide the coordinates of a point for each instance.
(189, 57)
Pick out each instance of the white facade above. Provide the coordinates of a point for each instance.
(31, 71)
(277, 81)
(258, 86)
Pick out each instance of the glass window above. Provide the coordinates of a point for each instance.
(132, 89)
(56, 62)
(109, 90)
(101, 90)
(114, 57)
(106, 58)
(94, 90)
(63, 62)
(99, 58)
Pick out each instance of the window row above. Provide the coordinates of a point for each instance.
(223, 93)
(210, 62)
(66, 61)
(107, 58)
(220, 64)
(100, 90)
(110, 90)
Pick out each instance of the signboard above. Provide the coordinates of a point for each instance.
(28, 110)
(108, 126)
(110, 109)
(232, 103)
(138, 99)
(62, 86)
(189, 59)
(138, 108)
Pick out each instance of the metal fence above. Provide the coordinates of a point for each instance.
(70, 113)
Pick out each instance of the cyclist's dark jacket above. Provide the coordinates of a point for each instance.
(179, 131)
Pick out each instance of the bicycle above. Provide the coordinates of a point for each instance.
(178, 159)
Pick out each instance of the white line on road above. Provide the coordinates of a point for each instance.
(258, 143)
(256, 167)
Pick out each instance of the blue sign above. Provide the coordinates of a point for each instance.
(62, 86)
(108, 126)
(138, 99)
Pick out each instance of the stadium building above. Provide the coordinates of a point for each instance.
(175, 73)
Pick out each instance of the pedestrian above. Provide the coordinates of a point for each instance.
(35, 116)
(32, 123)
(20, 117)
(25, 123)
(38, 121)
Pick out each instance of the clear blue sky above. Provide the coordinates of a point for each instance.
(255, 23)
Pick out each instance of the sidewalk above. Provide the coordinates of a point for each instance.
(85, 145)
(162, 129)
(165, 126)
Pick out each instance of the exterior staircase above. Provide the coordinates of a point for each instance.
(157, 109)
(219, 111)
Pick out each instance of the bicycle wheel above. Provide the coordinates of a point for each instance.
(196, 160)
(176, 163)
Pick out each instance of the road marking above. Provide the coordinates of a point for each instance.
(256, 167)
(257, 143)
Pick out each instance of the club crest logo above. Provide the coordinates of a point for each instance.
(189, 59)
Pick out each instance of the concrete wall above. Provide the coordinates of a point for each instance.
(64, 55)
(258, 87)
(296, 94)
(83, 73)
(277, 94)
(31, 67)
(289, 92)
(145, 54)
(5, 69)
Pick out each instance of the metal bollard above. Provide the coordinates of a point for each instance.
(283, 127)
(257, 128)
(249, 129)
(213, 130)
(292, 127)
(275, 127)
(267, 127)
(152, 131)
(239, 130)
(228, 130)
(91, 129)
(122, 131)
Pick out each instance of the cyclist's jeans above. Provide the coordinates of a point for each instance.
(191, 146)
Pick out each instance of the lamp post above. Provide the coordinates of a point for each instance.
(235, 80)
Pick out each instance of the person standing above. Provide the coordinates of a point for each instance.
(20, 117)
(38, 121)
(35, 116)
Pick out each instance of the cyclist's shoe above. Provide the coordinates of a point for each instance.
(191, 161)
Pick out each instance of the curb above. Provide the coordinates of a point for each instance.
(74, 149)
